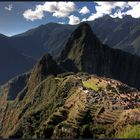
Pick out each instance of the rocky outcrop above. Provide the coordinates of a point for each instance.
(45, 66)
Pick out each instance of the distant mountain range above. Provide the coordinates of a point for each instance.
(118, 33)
(74, 95)
(12, 62)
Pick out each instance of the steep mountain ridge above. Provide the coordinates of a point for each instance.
(118, 33)
(52, 37)
(81, 42)
(115, 32)
(45, 66)
(45, 38)
(88, 54)
(55, 102)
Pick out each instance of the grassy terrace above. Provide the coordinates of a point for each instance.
(130, 132)
(59, 78)
(94, 84)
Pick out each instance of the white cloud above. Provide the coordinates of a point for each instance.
(48, 6)
(118, 14)
(84, 10)
(84, 19)
(74, 20)
(33, 15)
(9, 7)
(64, 9)
(94, 16)
(106, 8)
(135, 11)
(58, 9)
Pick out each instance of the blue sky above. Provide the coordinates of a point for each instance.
(17, 17)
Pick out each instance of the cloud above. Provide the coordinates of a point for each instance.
(105, 8)
(121, 9)
(65, 9)
(94, 16)
(84, 19)
(9, 7)
(58, 9)
(48, 6)
(74, 20)
(118, 14)
(84, 10)
(135, 9)
(33, 15)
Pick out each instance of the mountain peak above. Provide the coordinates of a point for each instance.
(45, 66)
(84, 25)
(81, 43)
(77, 41)
(127, 17)
(3, 36)
(84, 52)
(83, 29)
(46, 58)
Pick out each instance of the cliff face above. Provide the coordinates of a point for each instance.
(114, 64)
(63, 99)
(88, 54)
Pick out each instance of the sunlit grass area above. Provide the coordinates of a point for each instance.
(130, 132)
(94, 84)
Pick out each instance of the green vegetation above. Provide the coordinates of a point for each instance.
(91, 84)
(53, 102)
(130, 132)
(94, 84)
(57, 78)
(54, 109)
